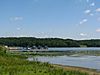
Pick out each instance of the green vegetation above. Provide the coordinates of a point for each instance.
(93, 53)
(90, 43)
(51, 42)
(13, 65)
(2, 50)
(58, 53)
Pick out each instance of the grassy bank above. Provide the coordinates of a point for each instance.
(73, 68)
(58, 53)
(16, 65)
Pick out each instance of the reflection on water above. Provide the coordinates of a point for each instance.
(81, 61)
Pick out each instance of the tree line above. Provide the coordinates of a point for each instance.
(50, 42)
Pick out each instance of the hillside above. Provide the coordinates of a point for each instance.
(50, 42)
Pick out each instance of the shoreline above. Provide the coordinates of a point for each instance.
(75, 68)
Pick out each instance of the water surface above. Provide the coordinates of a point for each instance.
(74, 48)
(85, 61)
(80, 57)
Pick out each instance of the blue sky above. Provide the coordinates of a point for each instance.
(76, 19)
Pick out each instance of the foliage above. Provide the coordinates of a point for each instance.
(51, 42)
(90, 43)
(2, 50)
(31, 41)
(12, 65)
(15, 66)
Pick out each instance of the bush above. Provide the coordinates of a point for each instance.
(2, 50)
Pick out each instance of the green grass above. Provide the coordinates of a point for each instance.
(16, 65)
(57, 53)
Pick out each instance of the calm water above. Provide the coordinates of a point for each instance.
(75, 49)
(80, 61)
(87, 61)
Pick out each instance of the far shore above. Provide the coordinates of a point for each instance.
(81, 69)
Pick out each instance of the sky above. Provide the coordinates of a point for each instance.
(75, 19)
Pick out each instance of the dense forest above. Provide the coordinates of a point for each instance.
(50, 42)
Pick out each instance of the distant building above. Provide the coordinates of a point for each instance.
(45, 47)
(33, 48)
(6, 46)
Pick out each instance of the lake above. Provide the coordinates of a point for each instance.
(74, 48)
(84, 60)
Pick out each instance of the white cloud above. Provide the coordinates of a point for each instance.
(87, 11)
(83, 21)
(83, 34)
(18, 28)
(98, 10)
(91, 14)
(25, 35)
(98, 30)
(16, 18)
(92, 4)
